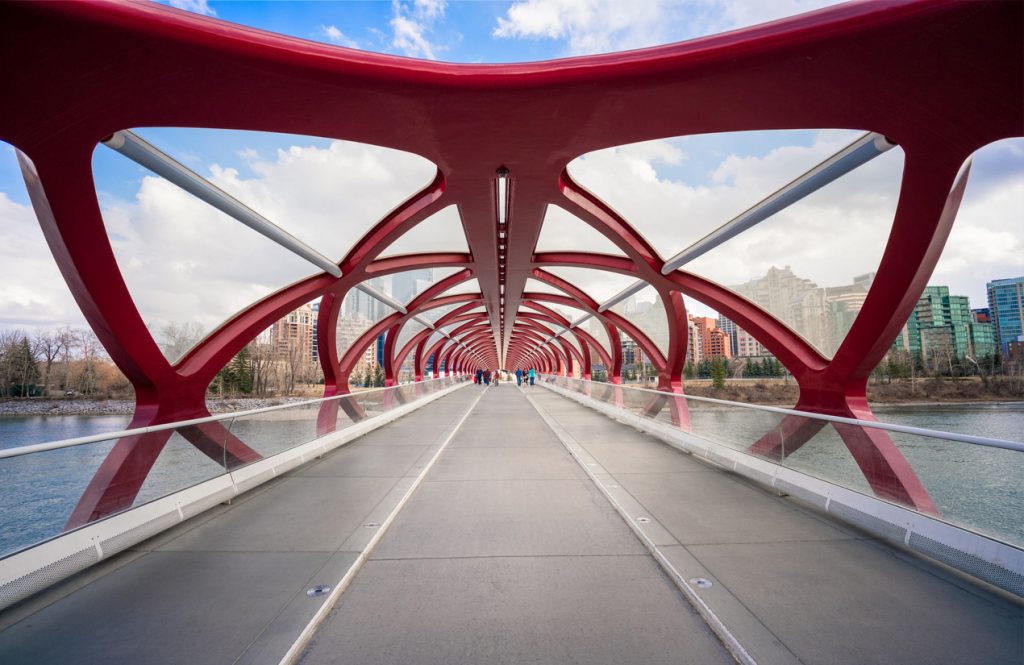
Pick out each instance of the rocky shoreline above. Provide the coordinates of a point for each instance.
(122, 407)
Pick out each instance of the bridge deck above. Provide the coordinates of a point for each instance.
(508, 552)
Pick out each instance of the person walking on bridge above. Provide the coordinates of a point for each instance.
(533, 375)
(519, 377)
(497, 377)
(479, 378)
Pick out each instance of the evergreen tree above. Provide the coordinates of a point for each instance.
(241, 371)
(24, 373)
(718, 371)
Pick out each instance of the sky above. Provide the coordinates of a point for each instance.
(170, 247)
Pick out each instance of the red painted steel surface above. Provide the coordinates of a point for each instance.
(942, 79)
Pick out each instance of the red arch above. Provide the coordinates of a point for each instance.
(969, 92)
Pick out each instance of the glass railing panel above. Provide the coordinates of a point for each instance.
(39, 491)
(976, 487)
(185, 462)
(272, 432)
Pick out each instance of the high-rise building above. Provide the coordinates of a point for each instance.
(942, 327)
(405, 285)
(294, 331)
(821, 315)
(713, 343)
(1006, 305)
(630, 351)
(732, 330)
(693, 343)
(747, 346)
(316, 315)
(350, 327)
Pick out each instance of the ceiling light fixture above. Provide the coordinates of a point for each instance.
(502, 196)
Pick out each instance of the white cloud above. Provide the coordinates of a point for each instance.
(408, 38)
(412, 23)
(829, 237)
(741, 14)
(588, 26)
(987, 241)
(431, 9)
(336, 36)
(196, 6)
(32, 292)
(600, 26)
(185, 262)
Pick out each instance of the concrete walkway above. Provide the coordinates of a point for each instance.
(792, 585)
(229, 586)
(508, 553)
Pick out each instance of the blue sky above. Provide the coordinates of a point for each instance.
(675, 190)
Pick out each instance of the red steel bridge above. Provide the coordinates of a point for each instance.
(940, 79)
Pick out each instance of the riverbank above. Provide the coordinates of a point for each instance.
(122, 407)
(775, 392)
(921, 391)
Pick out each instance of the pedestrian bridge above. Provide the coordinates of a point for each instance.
(511, 524)
(433, 520)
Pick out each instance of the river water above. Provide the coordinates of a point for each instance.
(980, 488)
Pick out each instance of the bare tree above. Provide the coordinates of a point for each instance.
(50, 346)
(178, 338)
(90, 351)
(261, 360)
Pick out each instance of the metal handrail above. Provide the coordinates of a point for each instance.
(94, 438)
(904, 429)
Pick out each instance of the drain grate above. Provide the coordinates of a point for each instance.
(318, 590)
(701, 583)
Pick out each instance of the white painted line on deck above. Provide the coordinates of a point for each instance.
(729, 640)
(295, 651)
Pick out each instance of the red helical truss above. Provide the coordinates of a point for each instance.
(942, 79)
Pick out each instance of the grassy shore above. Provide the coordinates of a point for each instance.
(897, 392)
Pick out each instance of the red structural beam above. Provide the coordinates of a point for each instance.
(940, 78)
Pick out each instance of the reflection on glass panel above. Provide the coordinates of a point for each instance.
(434, 338)
(189, 267)
(39, 492)
(596, 329)
(564, 231)
(537, 286)
(675, 191)
(812, 264)
(948, 470)
(469, 286)
(435, 313)
(569, 337)
(411, 328)
(570, 313)
(598, 284)
(182, 465)
(406, 285)
(645, 310)
(359, 311)
(441, 232)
